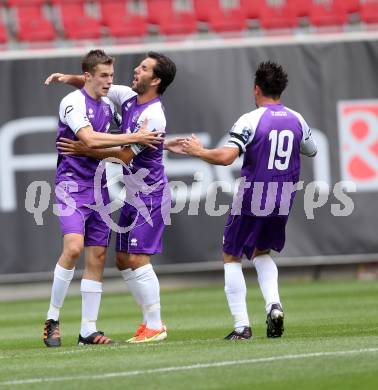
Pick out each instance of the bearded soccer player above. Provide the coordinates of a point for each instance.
(85, 115)
(135, 247)
(271, 139)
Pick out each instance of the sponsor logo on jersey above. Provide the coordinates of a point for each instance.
(128, 105)
(358, 140)
(68, 110)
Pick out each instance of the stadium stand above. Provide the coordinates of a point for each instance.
(76, 23)
(369, 12)
(32, 26)
(327, 13)
(67, 22)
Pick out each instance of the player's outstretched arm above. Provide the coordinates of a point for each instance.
(96, 140)
(77, 148)
(71, 79)
(219, 156)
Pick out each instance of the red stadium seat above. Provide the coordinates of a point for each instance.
(327, 14)
(203, 8)
(59, 2)
(16, 3)
(178, 23)
(120, 22)
(112, 9)
(35, 30)
(32, 25)
(76, 24)
(280, 16)
(227, 19)
(302, 7)
(369, 12)
(29, 12)
(170, 20)
(3, 34)
(251, 9)
(157, 8)
(220, 19)
(350, 6)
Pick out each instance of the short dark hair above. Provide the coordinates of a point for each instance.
(271, 78)
(164, 69)
(93, 58)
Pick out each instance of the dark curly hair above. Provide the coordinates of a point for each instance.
(271, 78)
(164, 69)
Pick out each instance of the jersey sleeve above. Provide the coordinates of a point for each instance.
(156, 122)
(155, 116)
(241, 134)
(118, 94)
(72, 112)
(308, 145)
(116, 116)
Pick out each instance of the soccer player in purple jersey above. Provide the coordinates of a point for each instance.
(85, 115)
(271, 139)
(134, 248)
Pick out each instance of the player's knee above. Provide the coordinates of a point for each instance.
(230, 258)
(121, 261)
(73, 250)
(100, 256)
(259, 252)
(135, 261)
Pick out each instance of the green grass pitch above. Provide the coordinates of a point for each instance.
(330, 342)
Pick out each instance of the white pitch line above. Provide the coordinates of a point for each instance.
(188, 367)
(116, 347)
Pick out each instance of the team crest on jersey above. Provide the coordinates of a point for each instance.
(106, 110)
(245, 134)
(358, 137)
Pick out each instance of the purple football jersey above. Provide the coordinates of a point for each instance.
(78, 110)
(270, 138)
(133, 115)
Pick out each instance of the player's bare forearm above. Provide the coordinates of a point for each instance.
(124, 154)
(71, 147)
(96, 140)
(218, 156)
(77, 81)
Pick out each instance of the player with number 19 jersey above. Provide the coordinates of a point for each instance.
(270, 138)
